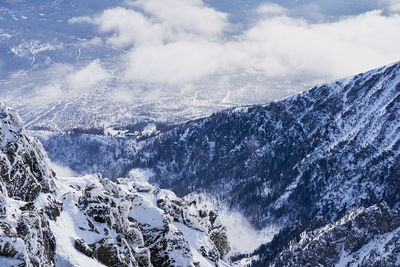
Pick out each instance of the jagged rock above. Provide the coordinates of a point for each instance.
(7, 247)
(3, 203)
(30, 243)
(165, 243)
(116, 224)
(26, 238)
(147, 224)
(142, 255)
(133, 235)
(114, 253)
(83, 247)
(40, 243)
(28, 206)
(364, 237)
(12, 246)
(23, 166)
(53, 208)
(220, 239)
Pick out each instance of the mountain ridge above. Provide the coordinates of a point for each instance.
(312, 126)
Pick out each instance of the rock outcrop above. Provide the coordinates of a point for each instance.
(91, 221)
(27, 203)
(137, 224)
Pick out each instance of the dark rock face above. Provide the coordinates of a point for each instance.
(364, 237)
(163, 242)
(83, 247)
(114, 252)
(105, 208)
(221, 242)
(53, 208)
(34, 229)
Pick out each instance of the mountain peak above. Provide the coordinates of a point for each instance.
(24, 165)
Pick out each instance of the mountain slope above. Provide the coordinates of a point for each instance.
(323, 152)
(364, 237)
(326, 151)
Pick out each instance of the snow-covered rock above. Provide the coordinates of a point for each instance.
(121, 224)
(26, 201)
(23, 167)
(91, 221)
(364, 237)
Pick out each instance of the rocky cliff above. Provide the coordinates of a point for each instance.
(82, 221)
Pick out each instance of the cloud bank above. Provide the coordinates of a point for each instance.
(88, 76)
(393, 5)
(176, 41)
(62, 171)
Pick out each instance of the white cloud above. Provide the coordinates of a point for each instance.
(179, 61)
(288, 47)
(48, 93)
(171, 41)
(271, 9)
(88, 76)
(96, 41)
(175, 41)
(123, 96)
(154, 22)
(129, 28)
(62, 171)
(242, 236)
(189, 18)
(65, 79)
(394, 5)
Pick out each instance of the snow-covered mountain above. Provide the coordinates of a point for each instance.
(81, 221)
(24, 171)
(319, 169)
(92, 220)
(323, 152)
(365, 237)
